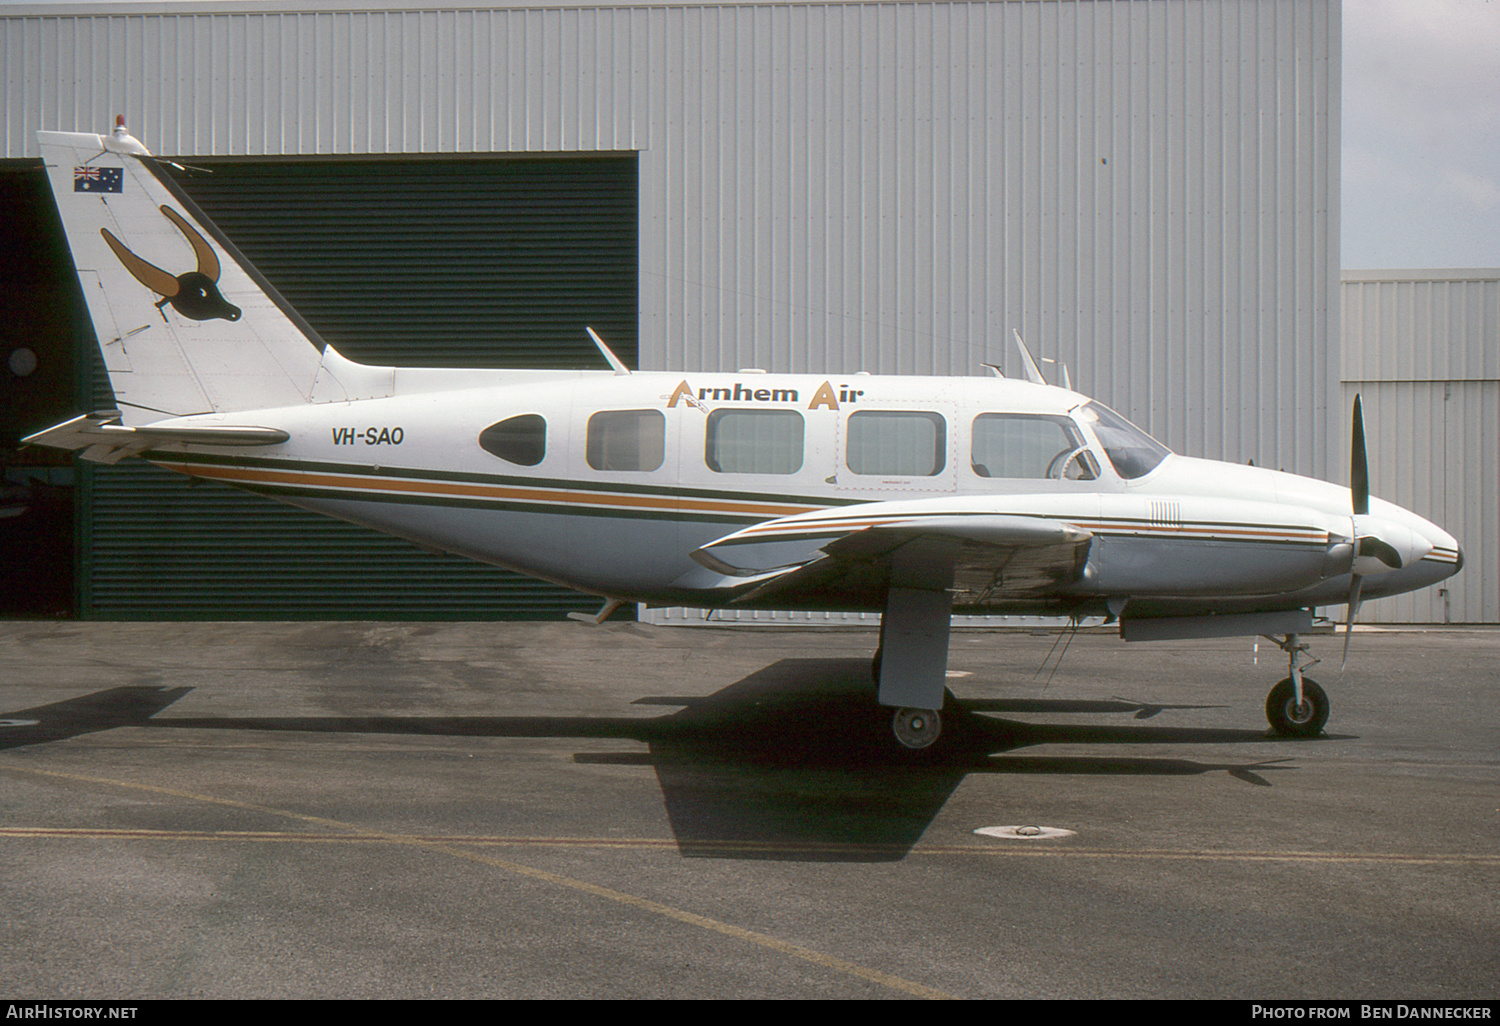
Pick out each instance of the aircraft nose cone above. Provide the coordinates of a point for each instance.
(1449, 544)
(1445, 547)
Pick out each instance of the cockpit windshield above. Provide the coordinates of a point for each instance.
(1133, 452)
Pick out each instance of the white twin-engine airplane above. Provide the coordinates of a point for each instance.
(910, 496)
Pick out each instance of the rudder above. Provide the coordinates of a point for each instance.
(185, 324)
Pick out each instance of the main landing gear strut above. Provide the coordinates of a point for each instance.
(914, 729)
(912, 660)
(1297, 706)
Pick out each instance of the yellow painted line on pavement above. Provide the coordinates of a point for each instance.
(451, 848)
(979, 849)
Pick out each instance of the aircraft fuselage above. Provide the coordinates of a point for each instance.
(607, 483)
(913, 496)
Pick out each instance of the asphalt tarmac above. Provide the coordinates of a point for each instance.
(554, 810)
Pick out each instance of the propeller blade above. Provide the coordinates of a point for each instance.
(1356, 582)
(1359, 469)
(1359, 491)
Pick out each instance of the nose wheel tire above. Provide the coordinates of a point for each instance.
(1287, 717)
(917, 728)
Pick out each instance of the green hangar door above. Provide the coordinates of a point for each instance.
(472, 262)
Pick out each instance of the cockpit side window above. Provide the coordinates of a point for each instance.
(1132, 452)
(520, 440)
(1028, 446)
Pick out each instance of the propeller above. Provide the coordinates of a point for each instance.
(1359, 490)
(1380, 544)
(1359, 469)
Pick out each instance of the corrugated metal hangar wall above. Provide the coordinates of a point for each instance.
(465, 262)
(1147, 189)
(1423, 350)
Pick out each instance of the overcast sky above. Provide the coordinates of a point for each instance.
(1421, 133)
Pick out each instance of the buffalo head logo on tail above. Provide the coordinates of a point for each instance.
(194, 294)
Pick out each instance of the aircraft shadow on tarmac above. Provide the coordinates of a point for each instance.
(794, 762)
(125, 706)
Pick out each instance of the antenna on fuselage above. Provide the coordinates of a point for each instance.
(614, 361)
(1033, 373)
(1067, 378)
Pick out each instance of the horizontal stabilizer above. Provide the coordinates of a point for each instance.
(103, 439)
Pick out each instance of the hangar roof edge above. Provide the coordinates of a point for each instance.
(1351, 276)
(104, 8)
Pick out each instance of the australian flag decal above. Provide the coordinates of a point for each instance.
(98, 179)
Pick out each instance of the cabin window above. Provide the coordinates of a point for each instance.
(897, 443)
(627, 440)
(1018, 446)
(1132, 452)
(520, 440)
(754, 442)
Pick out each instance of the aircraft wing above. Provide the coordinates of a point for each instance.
(847, 555)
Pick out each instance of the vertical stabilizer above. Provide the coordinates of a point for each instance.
(185, 324)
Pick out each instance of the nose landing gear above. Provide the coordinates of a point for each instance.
(1297, 706)
(1298, 719)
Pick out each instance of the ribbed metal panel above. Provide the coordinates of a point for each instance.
(1429, 325)
(501, 264)
(454, 263)
(1423, 350)
(1145, 189)
(1429, 453)
(161, 547)
(271, 82)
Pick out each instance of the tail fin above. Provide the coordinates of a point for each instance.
(185, 324)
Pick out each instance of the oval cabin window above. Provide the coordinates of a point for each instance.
(520, 440)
